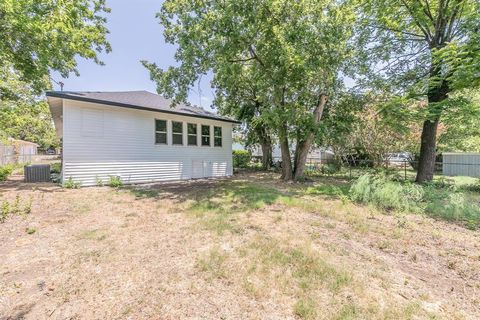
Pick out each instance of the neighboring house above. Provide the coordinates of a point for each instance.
(136, 136)
(25, 148)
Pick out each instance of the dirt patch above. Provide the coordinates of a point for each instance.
(250, 247)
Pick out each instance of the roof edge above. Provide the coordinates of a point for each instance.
(55, 94)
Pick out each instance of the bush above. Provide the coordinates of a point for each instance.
(386, 194)
(241, 158)
(329, 169)
(436, 200)
(5, 172)
(70, 184)
(115, 182)
(56, 168)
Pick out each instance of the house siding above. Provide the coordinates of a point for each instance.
(100, 141)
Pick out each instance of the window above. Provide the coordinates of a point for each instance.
(217, 136)
(177, 132)
(192, 134)
(205, 135)
(160, 131)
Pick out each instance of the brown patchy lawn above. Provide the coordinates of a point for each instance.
(247, 248)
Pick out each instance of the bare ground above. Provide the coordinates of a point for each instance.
(247, 248)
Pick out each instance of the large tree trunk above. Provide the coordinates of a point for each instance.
(266, 145)
(428, 144)
(287, 172)
(267, 159)
(303, 146)
(426, 165)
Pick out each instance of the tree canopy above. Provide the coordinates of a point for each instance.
(291, 52)
(38, 36)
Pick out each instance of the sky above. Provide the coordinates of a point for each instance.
(135, 35)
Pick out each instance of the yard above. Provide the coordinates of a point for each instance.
(248, 247)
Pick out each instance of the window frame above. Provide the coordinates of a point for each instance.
(177, 134)
(216, 137)
(192, 135)
(204, 135)
(165, 132)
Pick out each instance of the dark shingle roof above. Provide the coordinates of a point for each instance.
(142, 100)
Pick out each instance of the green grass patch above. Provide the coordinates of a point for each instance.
(439, 199)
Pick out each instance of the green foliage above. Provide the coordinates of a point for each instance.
(71, 184)
(439, 200)
(241, 158)
(5, 172)
(56, 167)
(386, 194)
(115, 182)
(16, 207)
(30, 121)
(273, 62)
(329, 169)
(37, 36)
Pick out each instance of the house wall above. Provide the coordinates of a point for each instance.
(100, 141)
(461, 164)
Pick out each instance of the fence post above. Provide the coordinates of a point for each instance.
(405, 168)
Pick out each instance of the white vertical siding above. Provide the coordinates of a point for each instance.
(461, 164)
(100, 141)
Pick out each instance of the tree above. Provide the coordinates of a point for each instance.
(37, 36)
(28, 121)
(239, 99)
(424, 48)
(293, 51)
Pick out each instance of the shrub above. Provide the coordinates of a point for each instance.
(56, 168)
(436, 200)
(241, 158)
(5, 172)
(115, 182)
(329, 169)
(386, 194)
(71, 184)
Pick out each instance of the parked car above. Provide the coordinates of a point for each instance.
(399, 158)
(50, 151)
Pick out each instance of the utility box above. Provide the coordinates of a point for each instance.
(37, 173)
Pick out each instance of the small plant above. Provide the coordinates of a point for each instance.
(5, 172)
(30, 230)
(115, 182)
(27, 207)
(71, 184)
(5, 211)
(56, 168)
(15, 208)
(98, 181)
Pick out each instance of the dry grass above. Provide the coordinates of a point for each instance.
(250, 247)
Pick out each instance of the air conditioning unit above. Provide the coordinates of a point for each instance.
(37, 173)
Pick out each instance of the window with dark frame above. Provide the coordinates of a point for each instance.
(217, 136)
(160, 131)
(205, 135)
(177, 133)
(192, 134)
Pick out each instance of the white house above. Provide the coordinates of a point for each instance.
(137, 136)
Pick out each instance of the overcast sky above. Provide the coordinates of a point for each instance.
(135, 35)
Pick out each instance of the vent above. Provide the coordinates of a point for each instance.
(37, 173)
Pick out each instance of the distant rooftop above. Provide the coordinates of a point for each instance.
(142, 100)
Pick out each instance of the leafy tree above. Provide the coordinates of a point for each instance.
(30, 121)
(291, 51)
(424, 49)
(37, 36)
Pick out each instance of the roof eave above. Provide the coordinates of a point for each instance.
(131, 106)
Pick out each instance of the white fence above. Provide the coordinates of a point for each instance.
(8, 156)
(461, 164)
